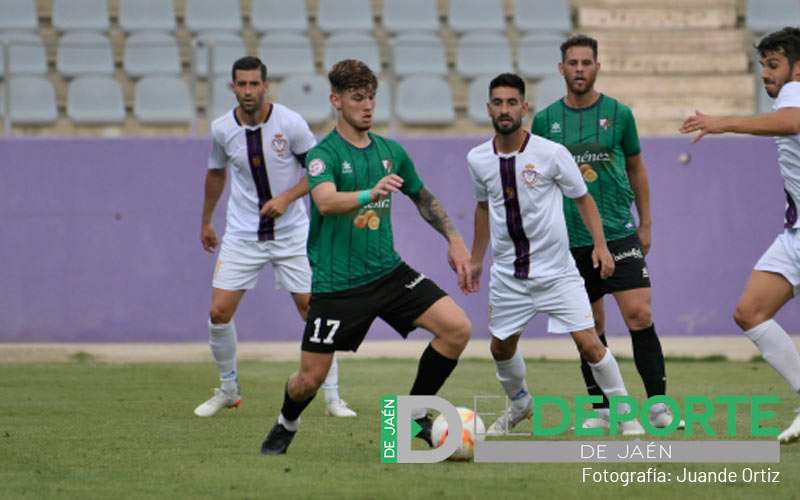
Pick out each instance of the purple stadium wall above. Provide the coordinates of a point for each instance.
(100, 238)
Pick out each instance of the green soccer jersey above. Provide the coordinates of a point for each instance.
(352, 249)
(600, 138)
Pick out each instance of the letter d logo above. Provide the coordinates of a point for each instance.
(405, 404)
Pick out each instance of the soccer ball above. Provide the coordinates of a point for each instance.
(472, 430)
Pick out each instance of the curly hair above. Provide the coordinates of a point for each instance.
(351, 74)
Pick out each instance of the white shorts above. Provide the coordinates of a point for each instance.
(514, 302)
(240, 262)
(783, 257)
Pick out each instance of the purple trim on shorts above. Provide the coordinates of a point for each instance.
(258, 167)
(522, 247)
(791, 211)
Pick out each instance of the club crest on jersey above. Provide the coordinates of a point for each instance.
(529, 175)
(605, 123)
(316, 167)
(280, 145)
(555, 128)
(387, 165)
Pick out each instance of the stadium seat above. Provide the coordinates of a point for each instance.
(410, 15)
(542, 15)
(208, 15)
(482, 53)
(764, 16)
(162, 99)
(478, 97)
(308, 95)
(340, 15)
(151, 52)
(351, 45)
(471, 15)
(216, 51)
(277, 15)
(27, 54)
(286, 54)
(95, 99)
(221, 98)
(18, 15)
(383, 103)
(539, 54)
(424, 100)
(82, 52)
(140, 15)
(73, 15)
(548, 90)
(32, 100)
(419, 53)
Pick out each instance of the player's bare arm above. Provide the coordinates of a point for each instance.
(277, 206)
(784, 121)
(480, 242)
(601, 257)
(457, 255)
(215, 184)
(329, 201)
(637, 175)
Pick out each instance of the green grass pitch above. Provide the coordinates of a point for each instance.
(86, 430)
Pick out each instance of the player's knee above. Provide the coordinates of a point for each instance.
(501, 351)
(309, 382)
(220, 315)
(459, 330)
(592, 351)
(639, 318)
(747, 315)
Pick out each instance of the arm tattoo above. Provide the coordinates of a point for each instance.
(434, 214)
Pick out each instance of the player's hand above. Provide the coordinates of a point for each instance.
(460, 261)
(386, 186)
(602, 258)
(703, 124)
(475, 284)
(645, 236)
(208, 238)
(275, 207)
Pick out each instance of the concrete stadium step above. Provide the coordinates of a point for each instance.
(676, 108)
(676, 64)
(649, 18)
(672, 41)
(734, 86)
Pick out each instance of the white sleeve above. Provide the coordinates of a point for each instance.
(789, 96)
(568, 176)
(478, 187)
(301, 139)
(217, 159)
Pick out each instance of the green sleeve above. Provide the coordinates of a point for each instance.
(630, 136)
(319, 167)
(539, 126)
(412, 184)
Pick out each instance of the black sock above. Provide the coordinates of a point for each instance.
(591, 385)
(433, 370)
(649, 360)
(292, 409)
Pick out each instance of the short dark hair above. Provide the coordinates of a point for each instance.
(352, 74)
(507, 80)
(785, 41)
(578, 41)
(247, 63)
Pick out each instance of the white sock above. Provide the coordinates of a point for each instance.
(511, 374)
(222, 339)
(291, 425)
(608, 377)
(778, 350)
(331, 384)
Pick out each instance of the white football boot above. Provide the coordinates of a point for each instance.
(661, 417)
(792, 433)
(598, 422)
(339, 408)
(221, 399)
(508, 420)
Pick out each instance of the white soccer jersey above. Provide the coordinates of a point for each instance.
(264, 161)
(525, 192)
(789, 155)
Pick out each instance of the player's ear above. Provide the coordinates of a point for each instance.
(525, 108)
(336, 101)
(561, 68)
(231, 86)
